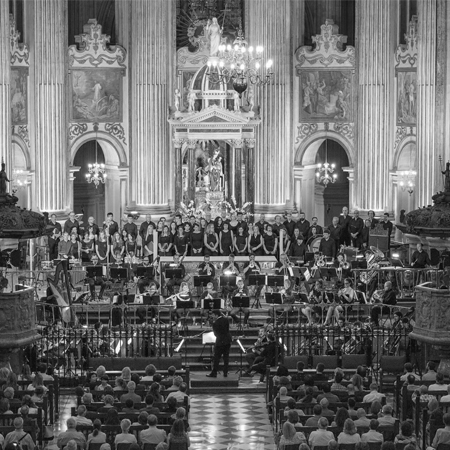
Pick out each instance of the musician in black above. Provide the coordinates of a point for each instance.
(95, 280)
(172, 282)
(229, 268)
(288, 299)
(327, 245)
(257, 348)
(208, 294)
(387, 225)
(206, 268)
(53, 231)
(183, 296)
(316, 297)
(283, 266)
(267, 358)
(355, 227)
(221, 328)
(420, 258)
(298, 247)
(110, 226)
(389, 298)
(365, 234)
(344, 221)
(240, 291)
(336, 232)
(144, 281)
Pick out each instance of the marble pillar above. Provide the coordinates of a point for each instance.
(191, 170)
(268, 24)
(178, 172)
(428, 178)
(5, 105)
(250, 175)
(376, 34)
(237, 149)
(50, 123)
(152, 61)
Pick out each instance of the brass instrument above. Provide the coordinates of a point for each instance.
(372, 265)
(343, 265)
(321, 262)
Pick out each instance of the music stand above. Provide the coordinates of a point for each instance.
(274, 298)
(94, 271)
(184, 305)
(240, 302)
(275, 280)
(330, 272)
(202, 280)
(173, 273)
(256, 280)
(210, 304)
(229, 281)
(119, 273)
(309, 256)
(145, 272)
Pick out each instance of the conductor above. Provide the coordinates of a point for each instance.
(221, 329)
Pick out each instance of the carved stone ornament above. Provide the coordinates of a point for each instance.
(94, 49)
(178, 143)
(237, 143)
(406, 54)
(116, 130)
(401, 133)
(304, 130)
(346, 129)
(432, 324)
(19, 52)
(77, 129)
(328, 50)
(22, 132)
(250, 143)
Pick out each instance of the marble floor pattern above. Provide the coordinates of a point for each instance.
(218, 422)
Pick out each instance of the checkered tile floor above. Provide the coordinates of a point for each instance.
(230, 422)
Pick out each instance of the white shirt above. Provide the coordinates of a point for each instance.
(373, 396)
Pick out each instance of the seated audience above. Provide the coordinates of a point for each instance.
(152, 435)
(131, 386)
(325, 411)
(386, 419)
(326, 389)
(341, 417)
(71, 434)
(446, 398)
(178, 434)
(373, 395)
(440, 385)
(406, 435)
(314, 420)
(129, 407)
(408, 368)
(442, 435)
(125, 437)
(430, 374)
(373, 435)
(180, 414)
(19, 435)
(349, 434)
(290, 436)
(150, 370)
(180, 395)
(321, 436)
(97, 436)
(81, 416)
(149, 408)
(362, 420)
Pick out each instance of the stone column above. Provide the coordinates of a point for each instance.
(269, 25)
(152, 61)
(177, 173)
(237, 190)
(191, 169)
(375, 30)
(428, 180)
(5, 106)
(50, 125)
(250, 176)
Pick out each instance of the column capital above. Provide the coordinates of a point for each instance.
(237, 143)
(178, 143)
(250, 143)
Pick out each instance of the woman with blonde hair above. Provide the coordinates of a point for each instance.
(349, 434)
(125, 437)
(289, 436)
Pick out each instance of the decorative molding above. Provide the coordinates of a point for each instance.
(403, 132)
(19, 52)
(77, 129)
(406, 54)
(116, 130)
(237, 143)
(22, 132)
(346, 129)
(178, 143)
(94, 50)
(327, 51)
(304, 130)
(188, 60)
(218, 116)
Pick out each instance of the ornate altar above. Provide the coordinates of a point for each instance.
(213, 133)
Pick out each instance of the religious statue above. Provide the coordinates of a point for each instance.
(176, 100)
(214, 33)
(3, 179)
(250, 99)
(237, 101)
(216, 172)
(192, 96)
(446, 173)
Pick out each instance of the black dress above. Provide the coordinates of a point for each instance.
(269, 241)
(254, 242)
(165, 240)
(211, 239)
(226, 242)
(240, 243)
(196, 243)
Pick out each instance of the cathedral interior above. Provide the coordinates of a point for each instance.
(240, 204)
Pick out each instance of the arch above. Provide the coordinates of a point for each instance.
(307, 150)
(113, 149)
(407, 140)
(16, 139)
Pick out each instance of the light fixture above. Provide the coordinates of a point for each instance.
(19, 180)
(96, 173)
(239, 65)
(324, 172)
(407, 180)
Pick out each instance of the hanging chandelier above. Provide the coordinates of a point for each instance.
(325, 172)
(96, 173)
(239, 65)
(407, 180)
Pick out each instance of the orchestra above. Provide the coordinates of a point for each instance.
(320, 279)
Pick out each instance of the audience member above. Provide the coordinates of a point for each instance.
(19, 435)
(290, 436)
(326, 389)
(97, 436)
(373, 395)
(152, 435)
(314, 420)
(386, 418)
(430, 374)
(325, 411)
(446, 398)
(81, 416)
(178, 434)
(341, 417)
(373, 435)
(408, 368)
(71, 434)
(440, 385)
(180, 395)
(131, 386)
(442, 435)
(150, 370)
(351, 404)
(321, 436)
(125, 437)
(362, 420)
(406, 435)
(349, 434)
(149, 407)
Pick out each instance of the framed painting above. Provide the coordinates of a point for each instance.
(96, 95)
(19, 95)
(406, 97)
(327, 95)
